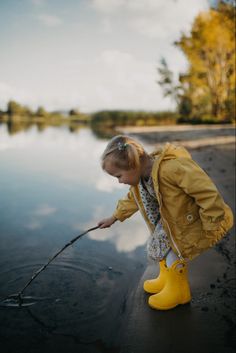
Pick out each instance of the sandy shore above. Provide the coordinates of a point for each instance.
(202, 127)
(191, 136)
(207, 324)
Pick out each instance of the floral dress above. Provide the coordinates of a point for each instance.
(158, 244)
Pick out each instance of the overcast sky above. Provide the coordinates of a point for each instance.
(90, 54)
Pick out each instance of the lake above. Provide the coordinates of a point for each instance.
(52, 188)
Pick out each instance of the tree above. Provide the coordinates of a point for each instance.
(210, 80)
(166, 81)
(74, 112)
(41, 112)
(14, 108)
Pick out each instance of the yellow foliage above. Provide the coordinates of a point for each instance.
(210, 50)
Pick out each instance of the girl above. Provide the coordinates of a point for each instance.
(180, 204)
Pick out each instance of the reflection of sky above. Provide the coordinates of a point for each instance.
(76, 163)
(53, 179)
(126, 236)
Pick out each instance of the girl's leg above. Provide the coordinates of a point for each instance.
(171, 258)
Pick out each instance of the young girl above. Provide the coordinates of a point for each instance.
(180, 204)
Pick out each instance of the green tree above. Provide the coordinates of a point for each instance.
(74, 112)
(41, 112)
(166, 81)
(14, 108)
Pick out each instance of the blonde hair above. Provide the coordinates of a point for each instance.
(124, 153)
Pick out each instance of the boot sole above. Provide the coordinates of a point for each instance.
(169, 307)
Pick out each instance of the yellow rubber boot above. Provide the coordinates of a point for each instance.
(176, 290)
(157, 284)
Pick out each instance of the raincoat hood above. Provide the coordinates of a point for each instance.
(170, 151)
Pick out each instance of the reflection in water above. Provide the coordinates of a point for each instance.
(17, 126)
(52, 187)
(70, 163)
(125, 236)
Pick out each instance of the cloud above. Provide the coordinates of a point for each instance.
(106, 57)
(130, 80)
(8, 92)
(116, 80)
(125, 236)
(33, 225)
(127, 81)
(107, 183)
(37, 216)
(106, 25)
(44, 210)
(152, 18)
(50, 20)
(108, 6)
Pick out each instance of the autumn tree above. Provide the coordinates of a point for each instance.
(14, 108)
(209, 83)
(207, 90)
(41, 112)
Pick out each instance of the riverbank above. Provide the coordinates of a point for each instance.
(191, 136)
(207, 324)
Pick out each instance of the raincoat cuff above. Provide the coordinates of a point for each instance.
(118, 216)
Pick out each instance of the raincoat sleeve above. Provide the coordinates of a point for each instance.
(189, 176)
(126, 207)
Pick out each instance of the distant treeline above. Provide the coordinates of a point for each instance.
(17, 113)
(114, 118)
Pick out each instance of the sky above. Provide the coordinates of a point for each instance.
(91, 54)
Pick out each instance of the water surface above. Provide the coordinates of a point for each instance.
(52, 188)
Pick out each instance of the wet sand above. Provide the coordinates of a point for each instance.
(207, 324)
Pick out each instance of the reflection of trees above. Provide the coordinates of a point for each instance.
(19, 117)
(14, 127)
(41, 126)
(99, 130)
(73, 126)
(103, 132)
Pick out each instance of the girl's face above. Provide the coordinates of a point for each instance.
(129, 177)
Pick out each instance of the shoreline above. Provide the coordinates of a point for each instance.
(184, 127)
(187, 135)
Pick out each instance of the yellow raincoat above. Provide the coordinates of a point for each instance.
(193, 212)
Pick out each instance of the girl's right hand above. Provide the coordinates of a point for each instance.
(107, 222)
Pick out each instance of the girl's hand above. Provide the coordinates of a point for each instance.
(107, 222)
